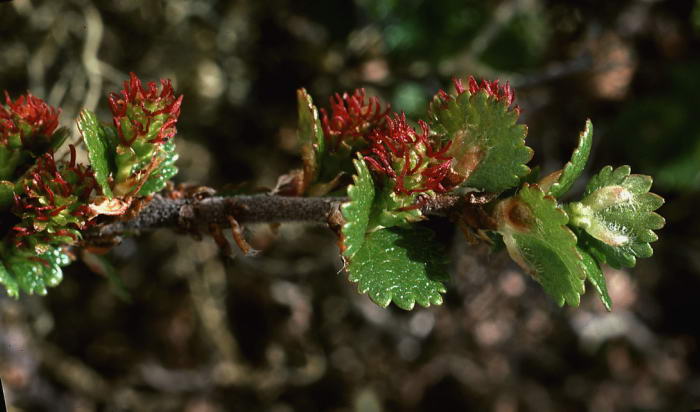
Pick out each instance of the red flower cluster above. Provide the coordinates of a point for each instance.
(53, 193)
(27, 117)
(410, 158)
(501, 92)
(353, 116)
(136, 109)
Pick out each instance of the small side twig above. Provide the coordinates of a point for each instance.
(237, 233)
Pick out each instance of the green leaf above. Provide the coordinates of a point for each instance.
(532, 177)
(310, 135)
(7, 194)
(165, 171)
(356, 212)
(98, 149)
(487, 145)
(369, 210)
(560, 182)
(617, 214)
(537, 238)
(126, 161)
(9, 281)
(603, 253)
(595, 275)
(400, 265)
(22, 270)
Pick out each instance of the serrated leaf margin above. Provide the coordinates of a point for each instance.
(518, 224)
(423, 288)
(98, 153)
(623, 255)
(574, 167)
(505, 163)
(310, 135)
(356, 211)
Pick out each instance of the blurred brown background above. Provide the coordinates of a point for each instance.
(285, 331)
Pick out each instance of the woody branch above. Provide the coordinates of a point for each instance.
(192, 213)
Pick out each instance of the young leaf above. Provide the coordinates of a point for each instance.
(310, 133)
(537, 238)
(559, 182)
(400, 265)
(488, 146)
(98, 149)
(617, 214)
(164, 172)
(356, 212)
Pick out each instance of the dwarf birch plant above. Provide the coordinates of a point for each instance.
(374, 176)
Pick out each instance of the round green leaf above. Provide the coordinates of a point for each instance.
(537, 238)
(617, 214)
(400, 265)
(488, 146)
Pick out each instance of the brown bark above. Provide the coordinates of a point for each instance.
(192, 213)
